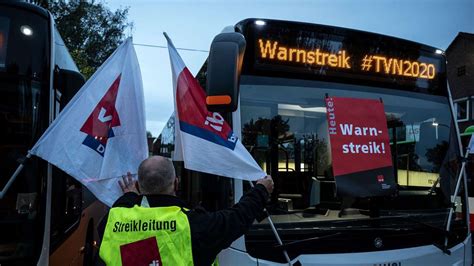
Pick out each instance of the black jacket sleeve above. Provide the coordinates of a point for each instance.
(212, 232)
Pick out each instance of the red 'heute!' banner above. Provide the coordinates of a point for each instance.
(360, 148)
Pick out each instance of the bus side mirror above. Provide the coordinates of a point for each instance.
(223, 72)
(67, 82)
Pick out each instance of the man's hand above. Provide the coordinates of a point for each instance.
(128, 184)
(267, 182)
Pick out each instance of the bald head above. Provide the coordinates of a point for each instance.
(156, 175)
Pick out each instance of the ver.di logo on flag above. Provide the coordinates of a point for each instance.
(99, 125)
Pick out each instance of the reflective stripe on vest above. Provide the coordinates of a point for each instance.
(147, 236)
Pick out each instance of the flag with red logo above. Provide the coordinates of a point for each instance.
(203, 139)
(100, 135)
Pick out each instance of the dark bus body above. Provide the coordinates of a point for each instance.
(46, 217)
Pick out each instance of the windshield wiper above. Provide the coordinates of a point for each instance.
(345, 230)
(342, 231)
(443, 232)
(306, 240)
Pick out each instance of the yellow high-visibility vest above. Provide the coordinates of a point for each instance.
(147, 236)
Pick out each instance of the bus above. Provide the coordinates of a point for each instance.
(46, 217)
(278, 83)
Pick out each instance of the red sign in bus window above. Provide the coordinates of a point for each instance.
(4, 23)
(360, 149)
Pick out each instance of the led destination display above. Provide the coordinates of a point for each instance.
(311, 51)
(274, 51)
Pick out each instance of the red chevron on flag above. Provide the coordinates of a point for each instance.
(103, 118)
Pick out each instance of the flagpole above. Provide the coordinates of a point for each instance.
(275, 232)
(13, 177)
(456, 192)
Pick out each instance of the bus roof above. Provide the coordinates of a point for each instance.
(340, 30)
(27, 6)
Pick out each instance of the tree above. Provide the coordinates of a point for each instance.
(89, 29)
(148, 134)
(276, 128)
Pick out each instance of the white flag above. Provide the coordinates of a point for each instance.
(100, 135)
(207, 142)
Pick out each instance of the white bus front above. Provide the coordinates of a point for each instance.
(282, 121)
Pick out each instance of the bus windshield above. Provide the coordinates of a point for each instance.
(284, 126)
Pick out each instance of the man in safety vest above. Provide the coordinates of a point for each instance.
(155, 228)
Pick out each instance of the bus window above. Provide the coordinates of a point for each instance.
(23, 116)
(4, 27)
(26, 68)
(285, 129)
(66, 206)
